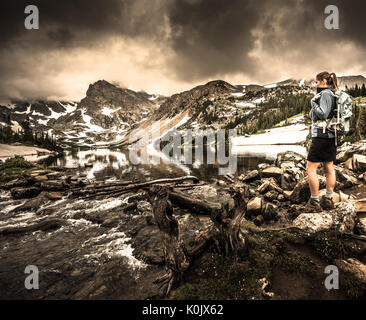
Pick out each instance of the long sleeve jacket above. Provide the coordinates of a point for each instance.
(322, 109)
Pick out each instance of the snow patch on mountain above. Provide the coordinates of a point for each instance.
(293, 134)
(108, 111)
(270, 86)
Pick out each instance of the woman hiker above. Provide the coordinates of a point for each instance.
(323, 147)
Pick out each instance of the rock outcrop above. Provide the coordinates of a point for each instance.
(341, 219)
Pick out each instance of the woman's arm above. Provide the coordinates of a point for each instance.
(323, 108)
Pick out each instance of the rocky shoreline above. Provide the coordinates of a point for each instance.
(110, 247)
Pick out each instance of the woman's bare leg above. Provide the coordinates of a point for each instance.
(311, 169)
(330, 175)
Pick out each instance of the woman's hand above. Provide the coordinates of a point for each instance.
(318, 95)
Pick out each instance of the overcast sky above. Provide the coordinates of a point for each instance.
(168, 46)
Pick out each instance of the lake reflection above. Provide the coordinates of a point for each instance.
(113, 164)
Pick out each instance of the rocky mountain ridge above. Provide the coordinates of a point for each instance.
(108, 113)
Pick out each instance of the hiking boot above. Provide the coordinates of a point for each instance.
(313, 205)
(327, 203)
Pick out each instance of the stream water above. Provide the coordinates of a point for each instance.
(98, 246)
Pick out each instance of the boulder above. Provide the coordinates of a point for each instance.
(314, 222)
(253, 175)
(337, 196)
(259, 220)
(287, 194)
(346, 177)
(269, 211)
(37, 178)
(361, 226)
(289, 157)
(25, 193)
(264, 186)
(360, 206)
(349, 164)
(354, 267)
(344, 197)
(263, 166)
(55, 196)
(54, 175)
(291, 177)
(254, 206)
(342, 219)
(272, 172)
(271, 195)
(359, 162)
(301, 192)
(347, 150)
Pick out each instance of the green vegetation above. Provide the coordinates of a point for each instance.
(27, 136)
(287, 121)
(271, 254)
(276, 110)
(357, 91)
(358, 121)
(17, 168)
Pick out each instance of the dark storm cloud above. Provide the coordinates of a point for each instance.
(303, 20)
(215, 36)
(78, 21)
(200, 39)
(212, 36)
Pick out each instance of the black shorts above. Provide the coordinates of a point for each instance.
(322, 150)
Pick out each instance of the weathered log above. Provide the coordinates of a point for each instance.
(176, 256)
(54, 185)
(229, 238)
(105, 185)
(194, 205)
(130, 207)
(44, 225)
(134, 187)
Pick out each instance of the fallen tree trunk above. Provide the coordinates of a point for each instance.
(93, 193)
(194, 205)
(44, 225)
(104, 185)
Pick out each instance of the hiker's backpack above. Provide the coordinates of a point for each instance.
(344, 112)
(340, 123)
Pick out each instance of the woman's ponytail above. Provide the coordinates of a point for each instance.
(331, 79)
